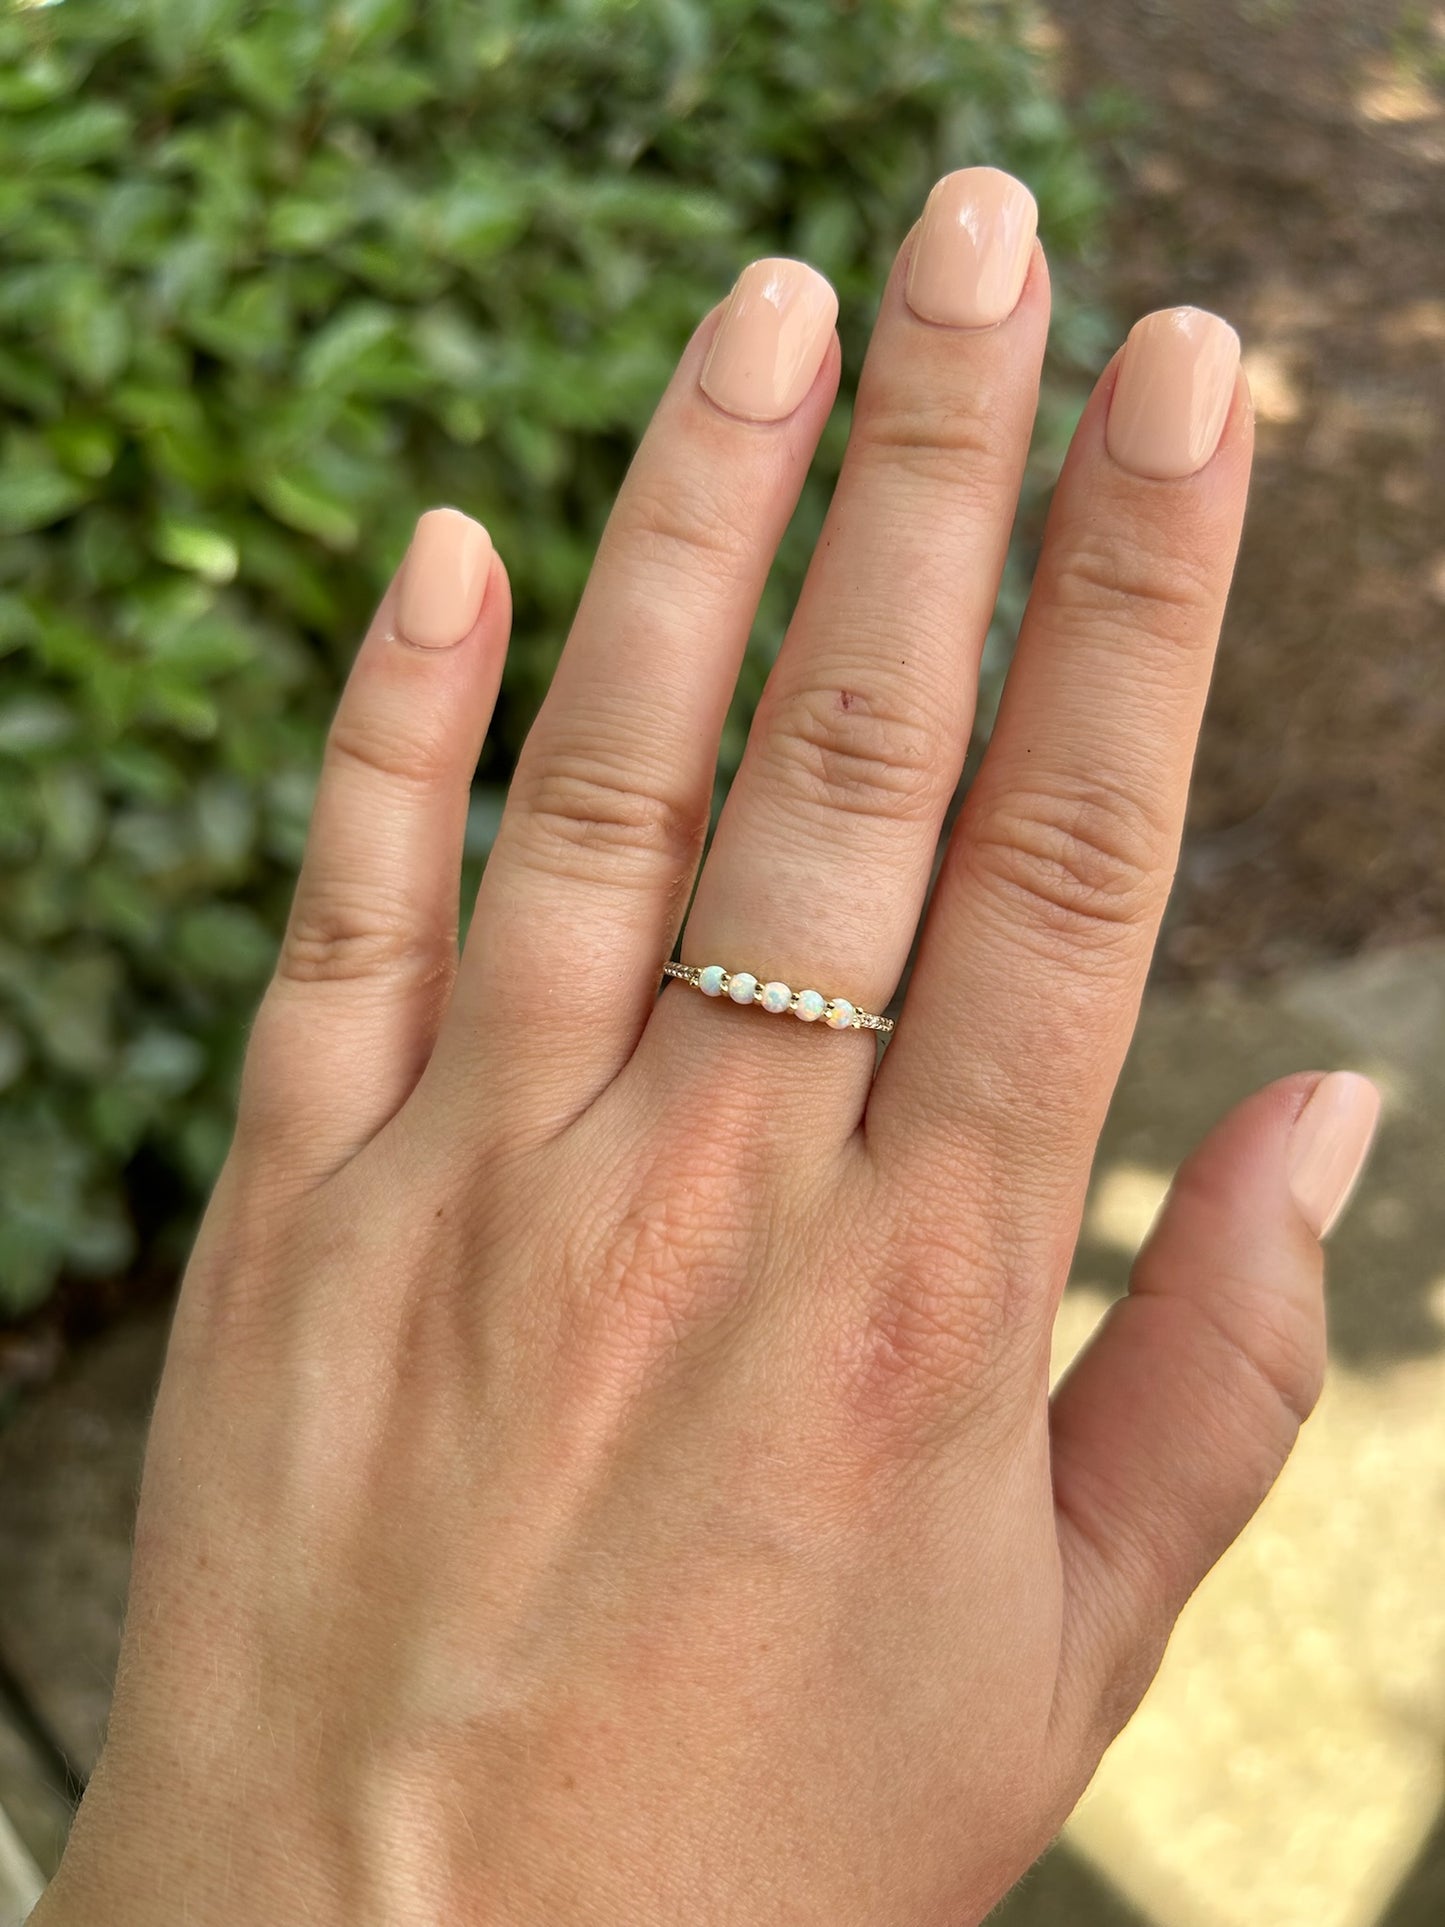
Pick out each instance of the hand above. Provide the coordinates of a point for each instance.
(604, 1470)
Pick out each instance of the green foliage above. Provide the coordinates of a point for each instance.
(276, 278)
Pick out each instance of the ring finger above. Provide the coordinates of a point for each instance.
(821, 860)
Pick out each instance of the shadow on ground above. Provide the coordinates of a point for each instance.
(1062, 1891)
(1420, 1901)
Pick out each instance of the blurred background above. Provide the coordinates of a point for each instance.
(273, 279)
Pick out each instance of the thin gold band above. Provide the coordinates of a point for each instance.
(836, 1013)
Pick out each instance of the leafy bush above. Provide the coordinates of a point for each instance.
(278, 277)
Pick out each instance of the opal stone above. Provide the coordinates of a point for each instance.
(710, 980)
(810, 1006)
(743, 988)
(839, 1014)
(775, 997)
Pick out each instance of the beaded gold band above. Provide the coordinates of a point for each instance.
(810, 1006)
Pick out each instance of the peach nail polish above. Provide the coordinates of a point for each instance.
(443, 579)
(1329, 1144)
(971, 256)
(1172, 394)
(771, 340)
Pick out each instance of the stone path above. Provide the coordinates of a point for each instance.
(1289, 1765)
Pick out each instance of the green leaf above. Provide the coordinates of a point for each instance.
(372, 22)
(193, 546)
(251, 324)
(183, 708)
(452, 346)
(13, 1055)
(26, 382)
(41, 78)
(71, 810)
(92, 333)
(265, 74)
(205, 649)
(89, 447)
(478, 215)
(31, 724)
(381, 89)
(301, 225)
(71, 1011)
(32, 497)
(226, 943)
(305, 505)
(164, 1061)
(73, 135)
(333, 357)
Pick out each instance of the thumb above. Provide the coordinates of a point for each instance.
(1179, 1414)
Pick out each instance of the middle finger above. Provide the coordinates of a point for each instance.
(822, 856)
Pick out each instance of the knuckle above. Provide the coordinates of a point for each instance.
(686, 525)
(1082, 858)
(1106, 579)
(1126, 1674)
(334, 936)
(394, 751)
(1270, 1325)
(652, 1268)
(932, 440)
(936, 1325)
(1276, 1345)
(840, 748)
(580, 808)
(667, 1255)
(1292, 1362)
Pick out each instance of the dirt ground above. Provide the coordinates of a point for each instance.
(1289, 174)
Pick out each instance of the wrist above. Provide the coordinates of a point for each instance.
(157, 1856)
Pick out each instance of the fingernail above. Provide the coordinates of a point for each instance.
(1329, 1144)
(443, 579)
(972, 254)
(1172, 394)
(771, 340)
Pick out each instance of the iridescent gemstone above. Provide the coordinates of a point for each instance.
(710, 980)
(839, 1014)
(810, 1006)
(743, 988)
(775, 996)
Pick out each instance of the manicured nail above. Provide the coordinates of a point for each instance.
(443, 579)
(971, 257)
(1329, 1144)
(1171, 398)
(771, 340)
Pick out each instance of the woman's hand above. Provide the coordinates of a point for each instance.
(604, 1469)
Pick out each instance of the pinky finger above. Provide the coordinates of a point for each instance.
(370, 950)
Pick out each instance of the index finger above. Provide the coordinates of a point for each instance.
(1046, 911)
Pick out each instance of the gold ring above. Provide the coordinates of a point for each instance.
(809, 1006)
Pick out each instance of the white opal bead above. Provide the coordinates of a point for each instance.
(810, 1005)
(743, 988)
(775, 996)
(710, 980)
(839, 1014)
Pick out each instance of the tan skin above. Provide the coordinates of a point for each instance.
(605, 1469)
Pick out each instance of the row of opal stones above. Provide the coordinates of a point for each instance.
(810, 1005)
